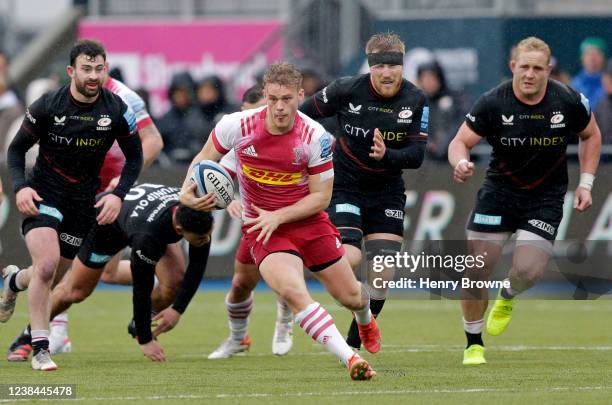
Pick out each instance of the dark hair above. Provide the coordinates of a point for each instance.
(87, 47)
(193, 221)
(253, 94)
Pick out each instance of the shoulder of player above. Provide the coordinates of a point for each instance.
(410, 90)
(562, 91)
(307, 121)
(237, 117)
(349, 84)
(128, 95)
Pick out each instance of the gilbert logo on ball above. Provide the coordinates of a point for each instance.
(211, 177)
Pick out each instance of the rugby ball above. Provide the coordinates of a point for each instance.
(210, 177)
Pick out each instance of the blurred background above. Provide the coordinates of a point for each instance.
(192, 60)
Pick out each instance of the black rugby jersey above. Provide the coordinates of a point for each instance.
(529, 141)
(146, 220)
(401, 119)
(74, 138)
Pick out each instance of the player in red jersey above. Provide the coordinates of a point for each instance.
(285, 172)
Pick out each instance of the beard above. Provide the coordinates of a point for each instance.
(85, 91)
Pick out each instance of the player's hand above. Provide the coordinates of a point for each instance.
(379, 148)
(25, 201)
(266, 223)
(111, 205)
(234, 209)
(112, 184)
(582, 199)
(167, 320)
(191, 200)
(463, 170)
(154, 351)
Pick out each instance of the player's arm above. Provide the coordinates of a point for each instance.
(145, 254)
(219, 143)
(31, 130)
(326, 101)
(320, 186)
(589, 152)
(188, 190)
(459, 152)
(410, 156)
(169, 317)
(152, 144)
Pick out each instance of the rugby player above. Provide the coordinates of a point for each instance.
(382, 129)
(528, 121)
(75, 126)
(285, 172)
(239, 299)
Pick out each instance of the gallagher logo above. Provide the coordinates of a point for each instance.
(271, 177)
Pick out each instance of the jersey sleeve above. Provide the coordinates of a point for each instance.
(137, 104)
(127, 126)
(36, 119)
(321, 155)
(225, 133)
(325, 102)
(581, 111)
(198, 258)
(229, 162)
(146, 251)
(478, 119)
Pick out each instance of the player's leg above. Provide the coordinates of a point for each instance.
(339, 280)
(43, 245)
(529, 260)
(239, 303)
(474, 301)
(117, 271)
(283, 272)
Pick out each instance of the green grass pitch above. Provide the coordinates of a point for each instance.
(553, 352)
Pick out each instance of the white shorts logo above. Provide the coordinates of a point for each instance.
(71, 240)
(536, 223)
(397, 214)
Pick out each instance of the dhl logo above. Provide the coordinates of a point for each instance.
(270, 177)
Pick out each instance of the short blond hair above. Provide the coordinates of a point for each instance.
(385, 42)
(532, 44)
(283, 73)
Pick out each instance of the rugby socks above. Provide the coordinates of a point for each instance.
(15, 282)
(59, 324)
(473, 332)
(239, 317)
(508, 293)
(319, 325)
(353, 338)
(40, 340)
(283, 313)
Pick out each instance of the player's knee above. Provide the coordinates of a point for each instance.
(243, 285)
(45, 269)
(79, 294)
(294, 297)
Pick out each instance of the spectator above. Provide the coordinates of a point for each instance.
(182, 126)
(10, 108)
(558, 73)
(211, 99)
(445, 109)
(603, 114)
(253, 97)
(593, 51)
(312, 81)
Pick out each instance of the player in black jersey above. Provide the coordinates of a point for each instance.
(75, 126)
(383, 123)
(528, 122)
(152, 223)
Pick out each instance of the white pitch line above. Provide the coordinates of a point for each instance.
(428, 349)
(320, 394)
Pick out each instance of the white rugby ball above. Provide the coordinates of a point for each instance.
(210, 177)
